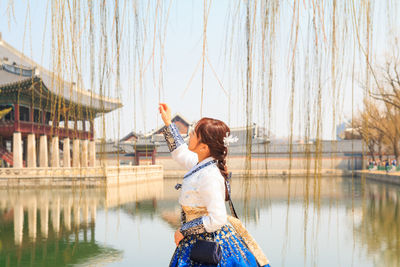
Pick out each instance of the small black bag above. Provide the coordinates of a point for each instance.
(206, 252)
(209, 252)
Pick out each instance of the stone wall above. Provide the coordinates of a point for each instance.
(89, 176)
(380, 176)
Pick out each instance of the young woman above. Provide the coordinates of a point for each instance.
(203, 194)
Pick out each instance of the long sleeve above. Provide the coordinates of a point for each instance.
(211, 188)
(178, 148)
(212, 192)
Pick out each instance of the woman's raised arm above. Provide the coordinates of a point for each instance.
(177, 146)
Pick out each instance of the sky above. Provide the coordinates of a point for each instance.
(177, 79)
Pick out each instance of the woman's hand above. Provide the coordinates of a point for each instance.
(165, 112)
(178, 237)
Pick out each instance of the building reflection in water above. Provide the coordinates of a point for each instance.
(66, 218)
(32, 219)
(18, 222)
(44, 217)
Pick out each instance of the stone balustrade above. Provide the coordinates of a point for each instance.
(94, 176)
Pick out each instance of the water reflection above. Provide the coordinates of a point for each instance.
(318, 222)
(379, 227)
(66, 220)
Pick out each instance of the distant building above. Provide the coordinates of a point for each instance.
(340, 128)
(258, 138)
(181, 122)
(260, 146)
(132, 136)
(351, 134)
(135, 145)
(156, 136)
(111, 148)
(258, 135)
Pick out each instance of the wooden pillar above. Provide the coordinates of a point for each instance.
(91, 129)
(153, 156)
(31, 118)
(31, 110)
(136, 158)
(16, 117)
(43, 117)
(37, 141)
(24, 150)
(56, 124)
(66, 125)
(4, 145)
(17, 150)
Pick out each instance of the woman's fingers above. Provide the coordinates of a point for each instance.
(164, 106)
(161, 110)
(165, 113)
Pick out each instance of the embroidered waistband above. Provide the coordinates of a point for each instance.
(192, 213)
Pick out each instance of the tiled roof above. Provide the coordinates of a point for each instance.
(11, 61)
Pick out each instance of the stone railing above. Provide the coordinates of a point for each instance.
(107, 175)
(51, 172)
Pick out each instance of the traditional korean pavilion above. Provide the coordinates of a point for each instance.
(38, 108)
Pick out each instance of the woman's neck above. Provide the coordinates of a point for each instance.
(202, 157)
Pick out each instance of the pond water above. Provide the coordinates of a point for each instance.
(297, 222)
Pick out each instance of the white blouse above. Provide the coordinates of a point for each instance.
(203, 186)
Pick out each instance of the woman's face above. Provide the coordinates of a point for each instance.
(193, 141)
(196, 146)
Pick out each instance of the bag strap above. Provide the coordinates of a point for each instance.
(228, 189)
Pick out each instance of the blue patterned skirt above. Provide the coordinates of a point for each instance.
(234, 250)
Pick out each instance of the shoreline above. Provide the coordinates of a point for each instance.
(380, 176)
(171, 174)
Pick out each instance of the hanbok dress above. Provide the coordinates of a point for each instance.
(204, 216)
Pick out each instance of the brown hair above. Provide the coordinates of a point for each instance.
(212, 132)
